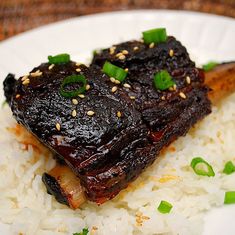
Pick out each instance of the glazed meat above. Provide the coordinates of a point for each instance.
(160, 109)
(66, 187)
(94, 146)
(109, 136)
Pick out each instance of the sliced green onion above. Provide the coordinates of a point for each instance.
(114, 71)
(164, 207)
(163, 80)
(229, 168)
(73, 79)
(84, 231)
(209, 66)
(94, 52)
(201, 167)
(155, 35)
(229, 197)
(59, 59)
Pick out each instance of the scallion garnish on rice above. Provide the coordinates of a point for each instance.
(163, 80)
(229, 168)
(201, 167)
(84, 231)
(59, 59)
(155, 35)
(114, 71)
(209, 66)
(229, 197)
(71, 80)
(164, 207)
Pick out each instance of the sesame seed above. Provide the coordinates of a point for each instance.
(126, 85)
(145, 217)
(138, 213)
(114, 89)
(90, 113)
(126, 69)
(136, 48)
(78, 70)
(36, 74)
(125, 52)
(112, 79)
(78, 64)
(74, 113)
(139, 220)
(142, 40)
(151, 45)
(26, 81)
(140, 224)
(94, 228)
(57, 126)
(24, 78)
(132, 97)
(188, 79)
(112, 50)
(17, 96)
(51, 67)
(117, 81)
(88, 87)
(182, 95)
(81, 96)
(174, 87)
(171, 88)
(171, 53)
(119, 54)
(119, 114)
(75, 101)
(163, 98)
(122, 57)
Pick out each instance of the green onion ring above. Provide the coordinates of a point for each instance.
(163, 80)
(229, 168)
(199, 171)
(229, 197)
(209, 66)
(155, 35)
(71, 80)
(59, 59)
(164, 207)
(114, 71)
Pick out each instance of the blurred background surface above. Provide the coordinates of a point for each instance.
(17, 16)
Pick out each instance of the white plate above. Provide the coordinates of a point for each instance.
(205, 36)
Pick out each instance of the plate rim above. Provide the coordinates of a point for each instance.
(89, 17)
(111, 14)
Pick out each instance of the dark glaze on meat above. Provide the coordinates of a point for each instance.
(91, 145)
(143, 63)
(105, 151)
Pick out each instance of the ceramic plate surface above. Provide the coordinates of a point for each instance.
(207, 37)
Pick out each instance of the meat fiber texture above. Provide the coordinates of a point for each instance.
(106, 150)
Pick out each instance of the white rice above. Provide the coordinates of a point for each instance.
(27, 209)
